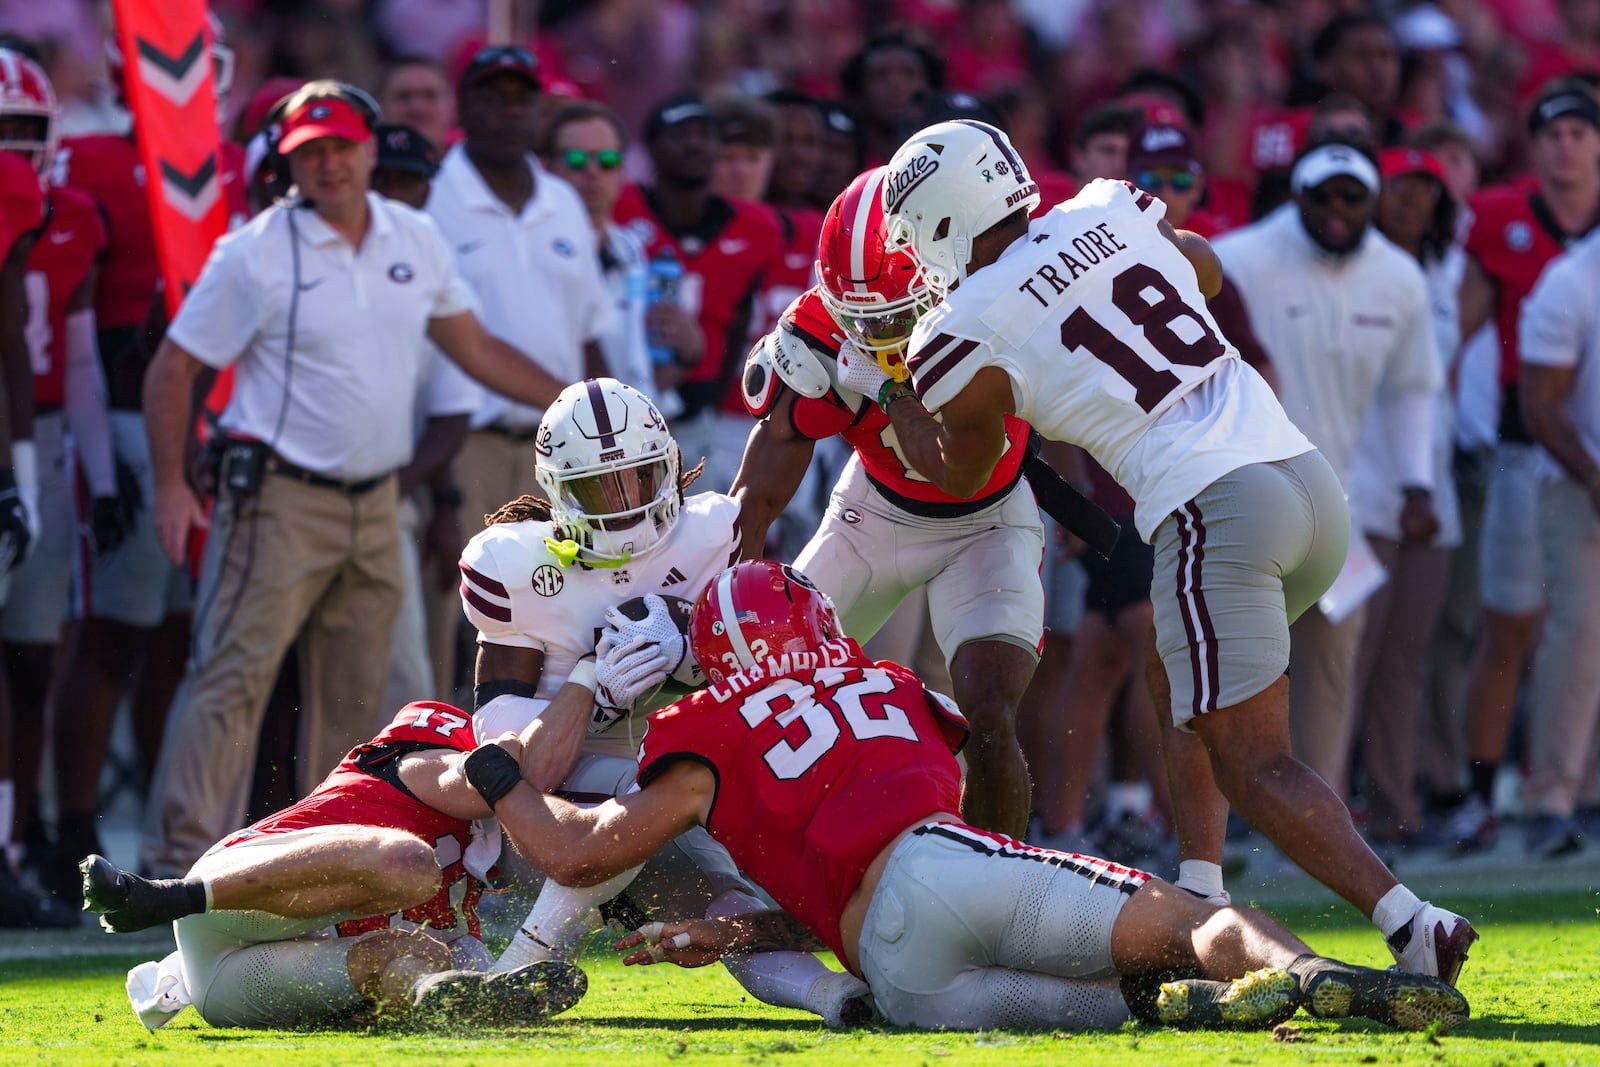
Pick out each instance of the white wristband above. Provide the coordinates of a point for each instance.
(583, 673)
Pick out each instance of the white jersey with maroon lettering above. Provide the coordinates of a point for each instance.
(1099, 321)
(517, 592)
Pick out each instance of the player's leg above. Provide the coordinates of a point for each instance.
(987, 606)
(1565, 695)
(1224, 642)
(1511, 585)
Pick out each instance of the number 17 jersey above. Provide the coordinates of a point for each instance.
(1099, 321)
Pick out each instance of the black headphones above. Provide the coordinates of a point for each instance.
(275, 162)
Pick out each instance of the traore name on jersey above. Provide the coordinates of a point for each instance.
(1089, 249)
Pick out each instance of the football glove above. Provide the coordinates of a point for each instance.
(624, 669)
(862, 372)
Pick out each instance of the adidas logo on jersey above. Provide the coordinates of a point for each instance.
(674, 577)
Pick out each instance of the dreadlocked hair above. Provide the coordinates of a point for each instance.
(689, 477)
(523, 509)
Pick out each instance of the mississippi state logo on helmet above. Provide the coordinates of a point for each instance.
(610, 469)
(867, 287)
(28, 106)
(946, 185)
(757, 609)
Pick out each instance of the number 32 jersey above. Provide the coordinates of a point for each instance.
(1099, 321)
(821, 759)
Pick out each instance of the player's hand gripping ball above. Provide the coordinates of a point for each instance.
(643, 652)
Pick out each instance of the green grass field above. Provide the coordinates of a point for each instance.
(1534, 983)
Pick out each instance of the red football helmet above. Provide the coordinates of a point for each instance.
(867, 288)
(29, 119)
(757, 609)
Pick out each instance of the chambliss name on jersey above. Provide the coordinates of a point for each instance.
(517, 591)
(1144, 382)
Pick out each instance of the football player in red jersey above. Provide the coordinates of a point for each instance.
(362, 897)
(131, 611)
(21, 220)
(1517, 229)
(833, 780)
(725, 247)
(888, 529)
(68, 394)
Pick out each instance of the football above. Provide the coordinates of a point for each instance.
(686, 672)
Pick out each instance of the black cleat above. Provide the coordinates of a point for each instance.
(1258, 1001)
(525, 995)
(1330, 989)
(127, 902)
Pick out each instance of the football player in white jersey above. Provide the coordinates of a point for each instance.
(1091, 324)
(540, 584)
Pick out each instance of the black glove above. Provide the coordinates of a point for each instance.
(108, 524)
(13, 523)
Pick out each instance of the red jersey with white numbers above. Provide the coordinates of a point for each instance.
(21, 200)
(724, 261)
(822, 758)
(365, 790)
(60, 262)
(868, 430)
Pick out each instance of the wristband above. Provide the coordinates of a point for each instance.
(584, 674)
(892, 391)
(493, 772)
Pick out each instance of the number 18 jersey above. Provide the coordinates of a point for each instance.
(1099, 321)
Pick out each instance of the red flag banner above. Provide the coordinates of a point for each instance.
(166, 50)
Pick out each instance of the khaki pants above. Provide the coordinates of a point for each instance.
(293, 561)
(1564, 700)
(1390, 668)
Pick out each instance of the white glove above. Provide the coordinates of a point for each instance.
(625, 668)
(657, 628)
(861, 372)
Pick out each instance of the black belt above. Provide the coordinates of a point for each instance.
(282, 467)
(520, 434)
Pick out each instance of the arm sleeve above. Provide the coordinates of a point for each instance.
(85, 408)
(220, 317)
(1551, 328)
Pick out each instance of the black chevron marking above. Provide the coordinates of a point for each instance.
(194, 184)
(175, 67)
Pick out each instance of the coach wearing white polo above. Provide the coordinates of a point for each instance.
(319, 304)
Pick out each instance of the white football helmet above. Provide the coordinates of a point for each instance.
(945, 186)
(28, 106)
(609, 467)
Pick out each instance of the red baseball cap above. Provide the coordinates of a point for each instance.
(1394, 162)
(322, 116)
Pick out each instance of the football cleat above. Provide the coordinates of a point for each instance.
(127, 902)
(1258, 1001)
(517, 997)
(1472, 828)
(1434, 943)
(1330, 989)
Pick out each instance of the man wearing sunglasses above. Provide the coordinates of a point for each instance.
(522, 241)
(1346, 316)
(583, 144)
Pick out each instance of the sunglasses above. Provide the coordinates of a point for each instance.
(499, 53)
(1349, 197)
(578, 159)
(1180, 182)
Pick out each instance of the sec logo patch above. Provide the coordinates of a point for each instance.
(548, 580)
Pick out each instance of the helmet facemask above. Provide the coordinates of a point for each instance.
(877, 326)
(612, 481)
